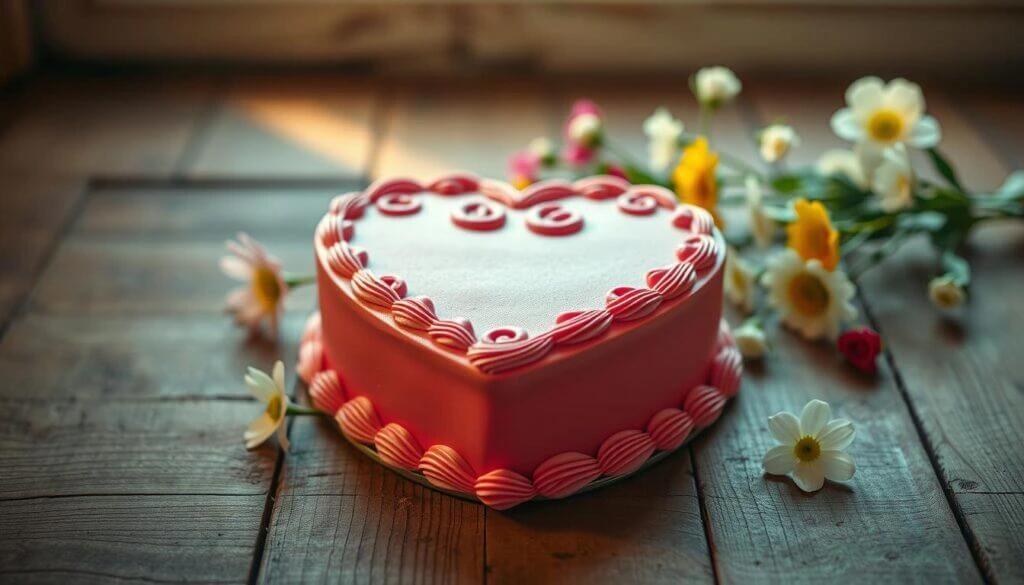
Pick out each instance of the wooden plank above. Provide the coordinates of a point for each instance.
(340, 517)
(113, 125)
(33, 211)
(765, 529)
(961, 373)
(289, 127)
(127, 538)
(998, 115)
(435, 128)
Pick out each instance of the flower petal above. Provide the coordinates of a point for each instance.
(926, 133)
(845, 125)
(905, 97)
(282, 436)
(236, 268)
(814, 417)
(837, 434)
(785, 427)
(260, 385)
(809, 476)
(279, 376)
(259, 431)
(837, 466)
(779, 460)
(865, 94)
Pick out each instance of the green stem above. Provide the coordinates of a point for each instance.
(299, 410)
(884, 251)
(299, 280)
(704, 122)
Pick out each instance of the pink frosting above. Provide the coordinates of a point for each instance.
(726, 371)
(626, 303)
(311, 360)
(724, 338)
(326, 392)
(601, 187)
(313, 328)
(374, 290)
(624, 452)
(349, 205)
(345, 260)
(694, 219)
(396, 446)
(544, 192)
(395, 186)
(335, 229)
(636, 203)
(454, 333)
(454, 184)
(399, 204)
(669, 428)
(551, 219)
(493, 358)
(479, 215)
(445, 468)
(564, 474)
(700, 250)
(580, 326)
(502, 489)
(358, 420)
(499, 191)
(414, 313)
(704, 405)
(674, 281)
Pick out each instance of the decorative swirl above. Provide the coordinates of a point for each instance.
(398, 186)
(313, 329)
(505, 335)
(669, 428)
(699, 250)
(601, 187)
(326, 392)
(414, 313)
(704, 405)
(502, 489)
(345, 260)
(645, 200)
(480, 215)
(694, 219)
(383, 291)
(726, 371)
(335, 229)
(624, 452)
(311, 360)
(544, 192)
(627, 303)
(349, 206)
(397, 447)
(358, 420)
(674, 281)
(564, 474)
(455, 184)
(399, 204)
(499, 191)
(664, 198)
(454, 333)
(446, 469)
(579, 326)
(492, 358)
(551, 219)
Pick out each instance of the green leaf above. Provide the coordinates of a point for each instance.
(787, 183)
(945, 168)
(1013, 186)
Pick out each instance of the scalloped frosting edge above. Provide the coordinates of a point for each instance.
(559, 476)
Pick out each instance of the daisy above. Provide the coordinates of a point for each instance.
(881, 115)
(262, 297)
(762, 226)
(739, 281)
(811, 448)
(271, 392)
(894, 180)
(663, 132)
(714, 86)
(946, 293)
(809, 298)
(776, 141)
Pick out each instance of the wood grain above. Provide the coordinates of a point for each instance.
(997, 115)
(291, 126)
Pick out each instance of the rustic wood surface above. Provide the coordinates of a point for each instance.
(123, 406)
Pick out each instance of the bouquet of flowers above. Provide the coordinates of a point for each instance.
(841, 217)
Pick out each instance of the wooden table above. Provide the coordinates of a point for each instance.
(121, 456)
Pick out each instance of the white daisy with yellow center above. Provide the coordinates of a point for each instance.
(714, 86)
(663, 131)
(270, 391)
(811, 447)
(881, 115)
(776, 141)
(809, 298)
(262, 297)
(894, 180)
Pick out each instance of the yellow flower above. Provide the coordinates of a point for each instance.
(812, 235)
(694, 177)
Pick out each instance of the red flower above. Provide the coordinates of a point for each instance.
(861, 347)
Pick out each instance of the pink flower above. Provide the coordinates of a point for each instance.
(583, 132)
(262, 296)
(523, 168)
(577, 156)
(861, 347)
(617, 171)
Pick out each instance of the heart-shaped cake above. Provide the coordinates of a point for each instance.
(508, 344)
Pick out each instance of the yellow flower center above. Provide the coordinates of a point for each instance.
(807, 449)
(808, 294)
(521, 182)
(266, 288)
(885, 126)
(275, 407)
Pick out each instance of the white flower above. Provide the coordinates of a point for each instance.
(663, 132)
(811, 447)
(894, 180)
(739, 281)
(762, 227)
(776, 141)
(585, 129)
(543, 149)
(265, 290)
(715, 86)
(882, 115)
(271, 392)
(809, 298)
(946, 293)
(840, 162)
(750, 340)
